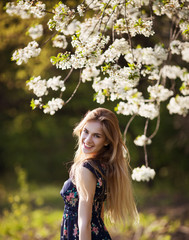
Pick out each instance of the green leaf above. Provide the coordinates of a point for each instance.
(114, 7)
(116, 108)
(32, 104)
(46, 106)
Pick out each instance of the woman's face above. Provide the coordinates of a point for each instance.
(92, 138)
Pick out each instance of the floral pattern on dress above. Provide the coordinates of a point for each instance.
(94, 229)
(69, 226)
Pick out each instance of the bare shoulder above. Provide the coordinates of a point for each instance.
(85, 182)
(86, 175)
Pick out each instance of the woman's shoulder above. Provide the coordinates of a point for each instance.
(95, 167)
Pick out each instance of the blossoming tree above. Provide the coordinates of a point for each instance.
(101, 38)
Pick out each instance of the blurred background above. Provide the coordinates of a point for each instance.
(36, 150)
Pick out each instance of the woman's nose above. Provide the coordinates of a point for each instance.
(88, 138)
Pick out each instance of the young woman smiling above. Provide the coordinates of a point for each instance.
(99, 173)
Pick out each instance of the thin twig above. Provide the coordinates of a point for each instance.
(129, 36)
(103, 14)
(127, 126)
(108, 21)
(157, 127)
(145, 150)
(146, 126)
(145, 155)
(48, 39)
(66, 79)
(74, 92)
(68, 74)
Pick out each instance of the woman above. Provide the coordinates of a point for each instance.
(99, 173)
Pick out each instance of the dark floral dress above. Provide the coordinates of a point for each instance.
(69, 226)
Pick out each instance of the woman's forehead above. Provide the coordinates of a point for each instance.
(94, 126)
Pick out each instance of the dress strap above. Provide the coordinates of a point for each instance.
(89, 166)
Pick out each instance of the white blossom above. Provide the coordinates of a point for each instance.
(176, 47)
(142, 140)
(159, 93)
(127, 108)
(81, 9)
(119, 46)
(88, 73)
(25, 8)
(22, 55)
(60, 41)
(171, 72)
(100, 97)
(36, 103)
(148, 110)
(185, 51)
(19, 9)
(38, 85)
(62, 16)
(38, 10)
(184, 89)
(55, 83)
(53, 105)
(71, 28)
(184, 28)
(179, 105)
(149, 56)
(143, 174)
(36, 31)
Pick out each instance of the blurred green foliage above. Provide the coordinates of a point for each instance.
(31, 214)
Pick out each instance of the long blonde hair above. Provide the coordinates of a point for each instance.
(120, 201)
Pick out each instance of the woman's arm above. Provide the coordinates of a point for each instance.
(86, 192)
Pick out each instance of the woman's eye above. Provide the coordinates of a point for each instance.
(85, 131)
(97, 136)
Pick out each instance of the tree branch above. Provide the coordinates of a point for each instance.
(127, 126)
(74, 92)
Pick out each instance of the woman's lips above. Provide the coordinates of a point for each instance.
(87, 146)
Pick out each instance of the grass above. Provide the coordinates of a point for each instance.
(35, 213)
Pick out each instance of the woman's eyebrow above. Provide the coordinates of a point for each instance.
(98, 133)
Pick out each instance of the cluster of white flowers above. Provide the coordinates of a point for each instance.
(139, 26)
(25, 8)
(81, 9)
(148, 56)
(179, 105)
(142, 140)
(178, 47)
(143, 174)
(87, 54)
(159, 93)
(22, 55)
(147, 110)
(40, 86)
(36, 31)
(172, 72)
(62, 16)
(166, 7)
(184, 89)
(60, 41)
(89, 72)
(53, 105)
(118, 48)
